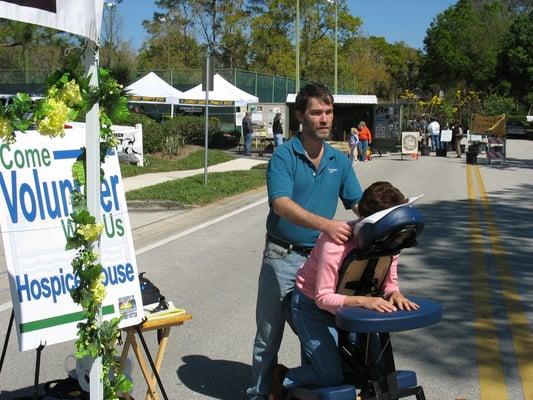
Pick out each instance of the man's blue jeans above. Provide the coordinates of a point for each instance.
(278, 139)
(248, 143)
(276, 283)
(319, 338)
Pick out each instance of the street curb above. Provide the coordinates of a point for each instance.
(156, 205)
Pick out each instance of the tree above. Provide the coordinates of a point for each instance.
(363, 68)
(462, 44)
(221, 26)
(272, 31)
(26, 47)
(234, 48)
(515, 61)
(170, 45)
(402, 64)
(317, 37)
(111, 32)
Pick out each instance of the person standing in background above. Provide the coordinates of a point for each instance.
(353, 142)
(277, 130)
(422, 127)
(457, 135)
(434, 132)
(365, 139)
(247, 131)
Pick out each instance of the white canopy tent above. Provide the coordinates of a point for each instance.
(224, 94)
(152, 89)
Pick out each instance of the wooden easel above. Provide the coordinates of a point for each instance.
(164, 324)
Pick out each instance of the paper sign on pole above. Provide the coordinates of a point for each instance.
(238, 118)
(35, 185)
(75, 16)
(446, 135)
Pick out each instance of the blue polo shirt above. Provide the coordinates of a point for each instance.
(291, 174)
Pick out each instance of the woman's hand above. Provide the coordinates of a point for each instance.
(402, 302)
(377, 304)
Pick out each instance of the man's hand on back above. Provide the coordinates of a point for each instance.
(338, 231)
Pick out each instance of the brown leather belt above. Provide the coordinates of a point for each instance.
(303, 250)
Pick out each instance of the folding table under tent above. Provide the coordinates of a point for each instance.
(224, 94)
(152, 89)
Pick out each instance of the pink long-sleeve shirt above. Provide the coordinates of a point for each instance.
(318, 277)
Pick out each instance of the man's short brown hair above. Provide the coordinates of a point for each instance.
(379, 196)
(312, 90)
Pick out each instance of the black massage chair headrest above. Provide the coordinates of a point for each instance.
(364, 269)
(395, 231)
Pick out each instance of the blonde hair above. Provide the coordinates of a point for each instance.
(361, 124)
(353, 130)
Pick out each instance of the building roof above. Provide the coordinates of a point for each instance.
(344, 98)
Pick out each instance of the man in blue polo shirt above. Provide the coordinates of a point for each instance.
(305, 179)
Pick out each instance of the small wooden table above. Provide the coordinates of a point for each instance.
(163, 323)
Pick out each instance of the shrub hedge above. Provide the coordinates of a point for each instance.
(186, 129)
(172, 134)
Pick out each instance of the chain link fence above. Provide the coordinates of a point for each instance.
(269, 88)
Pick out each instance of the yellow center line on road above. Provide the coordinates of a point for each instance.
(491, 376)
(522, 336)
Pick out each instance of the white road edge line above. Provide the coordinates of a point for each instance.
(6, 306)
(145, 249)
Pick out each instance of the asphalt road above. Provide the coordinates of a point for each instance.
(474, 256)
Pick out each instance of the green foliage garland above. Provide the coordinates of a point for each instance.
(69, 94)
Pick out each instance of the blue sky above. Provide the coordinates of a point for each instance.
(396, 20)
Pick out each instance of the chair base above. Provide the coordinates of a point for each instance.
(407, 386)
(344, 392)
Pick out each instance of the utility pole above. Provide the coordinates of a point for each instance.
(297, 46)
(336, 44)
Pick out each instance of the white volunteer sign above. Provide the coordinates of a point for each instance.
(35, 185)
(81, 17)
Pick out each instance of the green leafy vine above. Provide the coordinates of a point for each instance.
(69, 94)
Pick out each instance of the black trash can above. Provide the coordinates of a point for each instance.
(471, 157)
(471, 154)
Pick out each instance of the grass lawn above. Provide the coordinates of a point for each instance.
(157, 163)
(191, 191)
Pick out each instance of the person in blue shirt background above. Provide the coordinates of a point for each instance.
(305, 179)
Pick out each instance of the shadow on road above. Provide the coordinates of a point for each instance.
(22, 394)
(216, 379)
(445, 274)
(511, 163)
